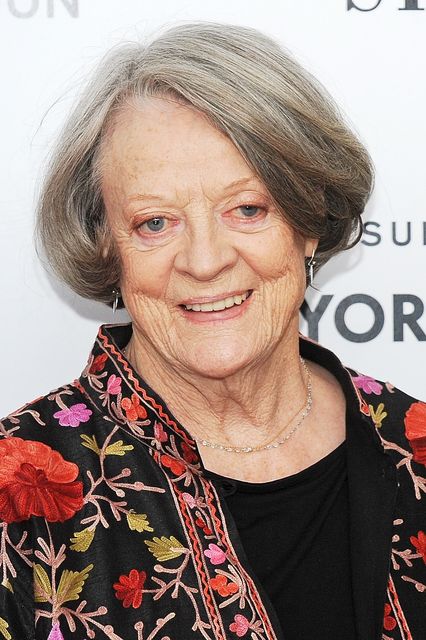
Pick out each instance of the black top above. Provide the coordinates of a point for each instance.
(295, 534)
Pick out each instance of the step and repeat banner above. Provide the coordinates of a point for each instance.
(368, 304)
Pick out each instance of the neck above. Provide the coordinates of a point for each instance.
(246, 408)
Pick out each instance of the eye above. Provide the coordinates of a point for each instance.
(249, 210)
(154, 225)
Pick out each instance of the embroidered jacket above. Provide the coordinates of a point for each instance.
(110, 528)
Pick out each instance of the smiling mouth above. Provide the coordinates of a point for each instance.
(218, 305)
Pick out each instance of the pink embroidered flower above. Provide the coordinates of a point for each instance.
(389, 621)
(56, 633)
(420, 544)
(240, 626)
(114, 385)
(368, 385)
(73, 416)
(159, 432)
(215, 554)
(190, 500)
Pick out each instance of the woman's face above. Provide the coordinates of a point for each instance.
(194, 225)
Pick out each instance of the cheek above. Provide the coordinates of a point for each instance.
(277, 255)
(143, 273)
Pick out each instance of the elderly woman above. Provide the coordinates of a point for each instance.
(211, 474)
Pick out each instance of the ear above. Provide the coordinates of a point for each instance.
(311, 245)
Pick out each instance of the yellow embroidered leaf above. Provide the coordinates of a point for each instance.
(71, 584)
(165, 548)
(42, 587)
(90, 443)
(6, 583)
(378, 415)
(138, 522)
(82, 539)
(118, 448)
(4, 629)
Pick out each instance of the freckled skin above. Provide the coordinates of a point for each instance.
(225, 372)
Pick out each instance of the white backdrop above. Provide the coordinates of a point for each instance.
(373, 62)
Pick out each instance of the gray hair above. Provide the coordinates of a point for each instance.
(281, 119)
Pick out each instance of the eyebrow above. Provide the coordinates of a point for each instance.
(232, 185)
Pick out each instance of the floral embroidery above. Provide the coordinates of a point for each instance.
(98, 363)
(189, 454)
(222, 586)
(114, 385)
(215, 554)
(368, 385)
(56, 633)
(159, 432)
(35, 480)
(129, 588)
(240, 626)
(73, 416)
(176, 466)
(389, 621)
(415, 430)
(420, 544)
(133, 408)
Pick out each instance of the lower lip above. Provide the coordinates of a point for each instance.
(200, 317)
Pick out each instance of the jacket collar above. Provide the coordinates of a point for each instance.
(123, 396)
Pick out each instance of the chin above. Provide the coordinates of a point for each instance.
(218, 361)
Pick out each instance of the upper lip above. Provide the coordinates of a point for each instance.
(220, 296)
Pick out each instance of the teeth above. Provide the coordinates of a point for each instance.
(218, 305)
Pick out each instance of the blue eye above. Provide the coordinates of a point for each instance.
(249, 210)
(155, 224)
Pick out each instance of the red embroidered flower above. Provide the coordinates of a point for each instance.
(133, 408)
(35, 480)
(420, 544)
(222, 586)
(188, 453)
(129, 588)
(98, 363)
(203, 525)
(415, 430)
(72, 416)
(176, 466)
(389, 621)
(240, 626)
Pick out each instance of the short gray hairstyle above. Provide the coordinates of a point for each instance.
(281, 119)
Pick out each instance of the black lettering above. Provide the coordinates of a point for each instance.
(410, 319)
(367, 232)
(70, 5)
(359, 298)
(19, 13)
(401, 243)
(352, 5)
(411, 5)
(313, 317)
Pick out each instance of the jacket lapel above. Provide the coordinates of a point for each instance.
(373, 487)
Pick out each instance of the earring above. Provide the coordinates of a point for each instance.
(115, 301)
(311, 265)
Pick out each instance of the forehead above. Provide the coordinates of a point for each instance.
(156, 140)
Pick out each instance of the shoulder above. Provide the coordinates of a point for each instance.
(399, 418)
(51, 416)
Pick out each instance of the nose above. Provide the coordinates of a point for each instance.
(206, 251)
